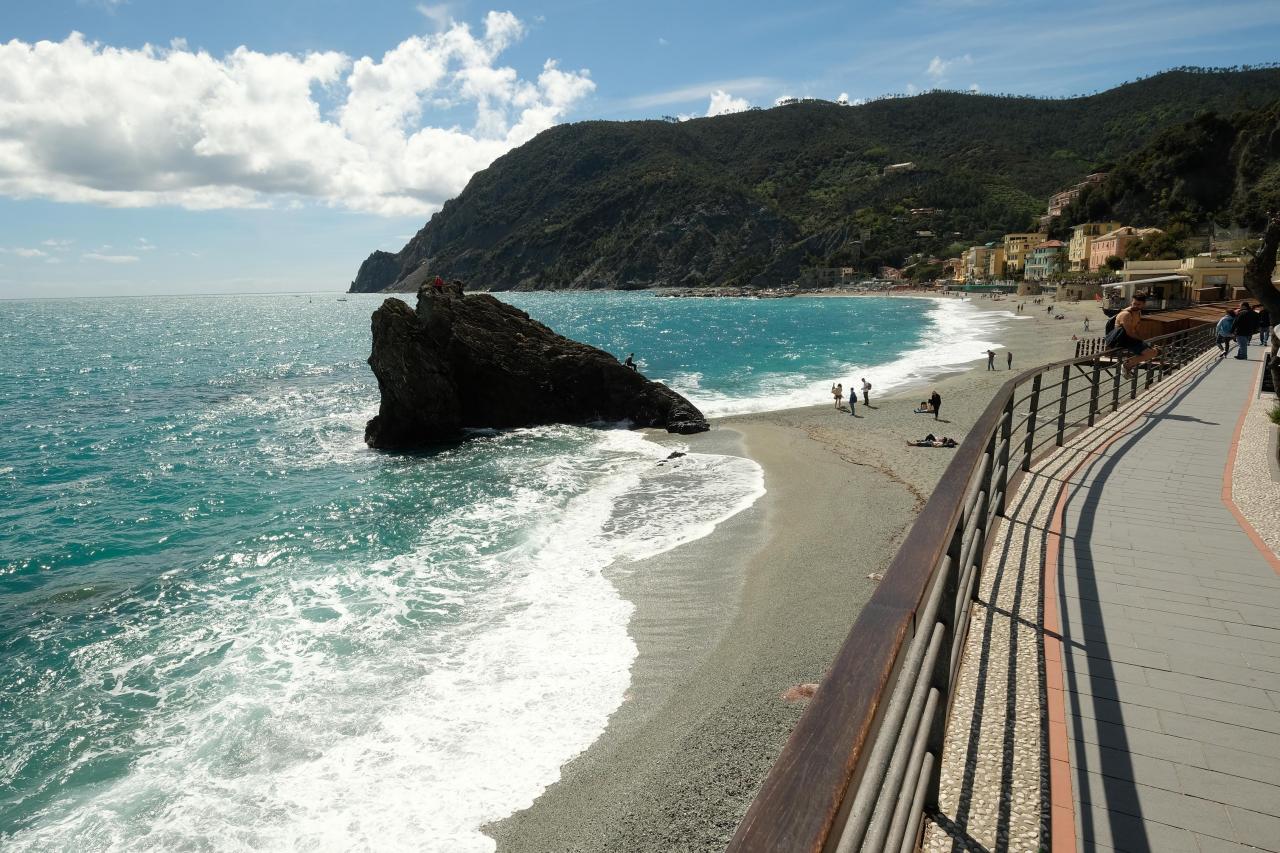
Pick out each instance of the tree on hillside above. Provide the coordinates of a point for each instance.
(1165, 246)
(1260, 269)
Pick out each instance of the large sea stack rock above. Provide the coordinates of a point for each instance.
(474, 361)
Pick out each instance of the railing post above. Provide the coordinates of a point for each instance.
(1031, 422)
(1002, 469)
(1115, 386)
(941, 678)
(1133, 385)
(1062, 404)
(1094, 381)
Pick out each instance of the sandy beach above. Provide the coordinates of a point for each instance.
(726, 624)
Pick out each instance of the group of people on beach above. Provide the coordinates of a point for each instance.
(991, 359)
(837, 391)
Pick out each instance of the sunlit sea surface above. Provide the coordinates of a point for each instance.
(225, 624)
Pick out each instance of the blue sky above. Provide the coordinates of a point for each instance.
(179, 147)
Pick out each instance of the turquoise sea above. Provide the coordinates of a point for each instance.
(225, 624)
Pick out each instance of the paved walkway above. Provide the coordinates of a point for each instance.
(1138, 706)
(1170, 637)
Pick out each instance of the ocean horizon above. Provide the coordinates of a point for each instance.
(225, 620)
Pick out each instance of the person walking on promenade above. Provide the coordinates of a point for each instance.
(1086, 324)
(1008, 359)
(935, 400)
(1125, 335)
(1245, 327)
(1264, 326)
(1223, 331)
(991, 359)
(866, 392)
(837, 391)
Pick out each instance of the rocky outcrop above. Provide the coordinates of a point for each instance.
(474, 361)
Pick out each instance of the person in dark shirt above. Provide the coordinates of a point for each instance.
(1245, 327)
(935, 400)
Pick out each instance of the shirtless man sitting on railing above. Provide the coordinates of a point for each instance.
(1125, 335)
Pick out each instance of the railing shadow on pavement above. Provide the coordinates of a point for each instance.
(862, 766)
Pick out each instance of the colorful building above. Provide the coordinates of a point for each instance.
(1016, 247)
(1045, 260)
(1114, 242)
(996, 267)
(1202, 278)
(1082, 239)
(975, 262)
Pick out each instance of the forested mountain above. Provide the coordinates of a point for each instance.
(751, 198)
(1216, 168)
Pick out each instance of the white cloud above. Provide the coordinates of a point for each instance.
(56, 244)
(110, 259)
(25, 253)
(696, 92)
(973, 87)
(663, 42)
(145, 245)
(84, 122)
(912, 89)
(439, 14)
(939, 67)
(722, 103)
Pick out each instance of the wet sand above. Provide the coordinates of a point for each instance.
(726, 624)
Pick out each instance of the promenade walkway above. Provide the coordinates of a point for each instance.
(1121, 682)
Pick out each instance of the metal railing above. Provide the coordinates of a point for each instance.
(862, 765)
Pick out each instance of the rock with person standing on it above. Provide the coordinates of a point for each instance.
(458, 362)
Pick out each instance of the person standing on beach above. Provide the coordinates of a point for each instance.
(837, 391)
(991, 359)
(935, 400)
(866, 392)
(1008, 359)
(853, 401)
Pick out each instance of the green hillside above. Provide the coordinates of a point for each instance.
(1222, 169)
(751, 198)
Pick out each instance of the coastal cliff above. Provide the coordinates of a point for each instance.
(753, 198)
(458, 362)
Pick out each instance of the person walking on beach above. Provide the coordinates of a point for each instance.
(853, 401)
(1125, 335)
(866, 392)
(991, 359)
(935, 400)
(1245, 327)
(837, 391)
(1008, 359)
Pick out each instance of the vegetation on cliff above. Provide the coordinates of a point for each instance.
(753, 198)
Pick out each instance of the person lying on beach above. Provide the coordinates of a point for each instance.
(924, 408)
(930, 441)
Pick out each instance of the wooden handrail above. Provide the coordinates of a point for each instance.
(821, 790)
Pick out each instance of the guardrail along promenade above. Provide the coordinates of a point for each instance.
(1023, 677)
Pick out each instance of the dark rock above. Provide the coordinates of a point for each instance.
(676, 454)
(460, 362)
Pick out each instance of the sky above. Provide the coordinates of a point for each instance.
(167, 146)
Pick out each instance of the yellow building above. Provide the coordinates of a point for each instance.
(1202, 278)
(1016, 247)
(1081, 242)
(975, 262)
(996, 262)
